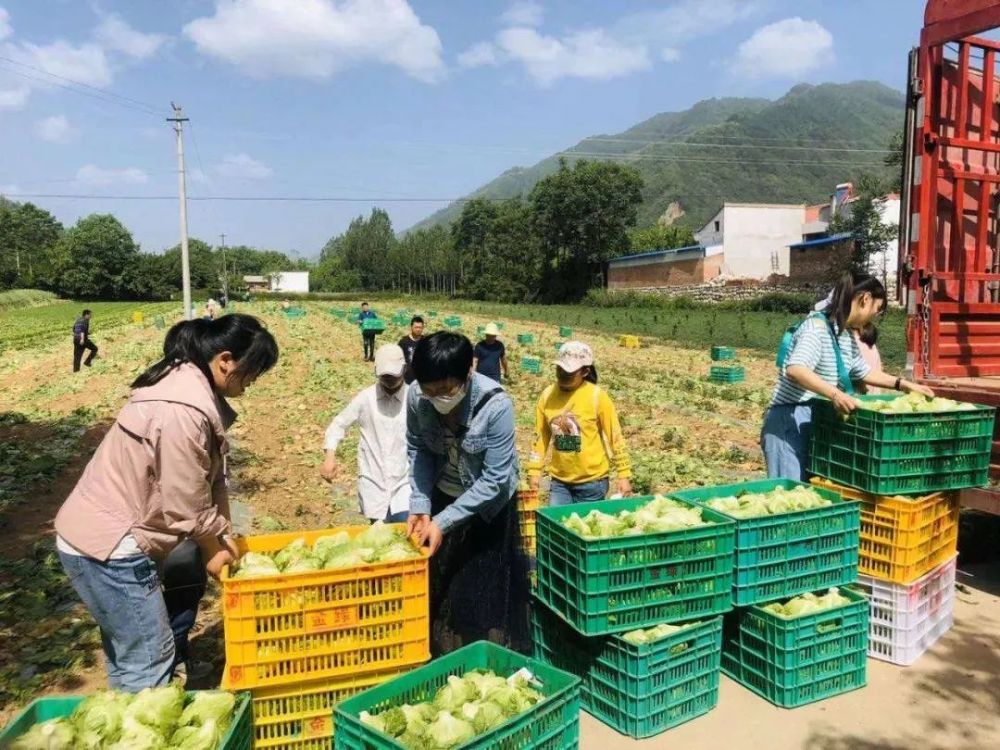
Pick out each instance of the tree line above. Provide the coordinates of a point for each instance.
(549, 246)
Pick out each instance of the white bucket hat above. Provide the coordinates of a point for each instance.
(491, 330)
(573, 355)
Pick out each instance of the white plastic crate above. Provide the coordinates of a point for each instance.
(906, 620)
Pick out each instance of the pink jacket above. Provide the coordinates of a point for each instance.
(159, 473)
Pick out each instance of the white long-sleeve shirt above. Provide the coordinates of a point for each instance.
(383, 468)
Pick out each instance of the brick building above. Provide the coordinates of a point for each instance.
(821, 260)
(663, 268)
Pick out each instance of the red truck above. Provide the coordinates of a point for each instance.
(949, 246)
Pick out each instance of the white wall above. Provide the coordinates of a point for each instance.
(290, 281)
(753, 234)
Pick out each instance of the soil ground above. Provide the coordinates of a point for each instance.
(681, 430)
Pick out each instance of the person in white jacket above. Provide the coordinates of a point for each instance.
(383, 467)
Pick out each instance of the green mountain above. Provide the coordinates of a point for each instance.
(793, 150)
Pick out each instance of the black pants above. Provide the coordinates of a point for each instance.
(184, 578)
(368, 337)
(78, 353)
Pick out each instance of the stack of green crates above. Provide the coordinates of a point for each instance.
(723, 353)
(592, 591)
(452, 321)
(726, 374)
(794, 661)
(526, 338)
(532, 365)
(777, 557)
(902, 454)
(565, 332)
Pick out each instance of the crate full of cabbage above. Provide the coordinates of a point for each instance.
(905, 445)
(618, 565)
(480, 696)
(790, 537)
(153, 718)
(333, 603)
(797, 651)
(641, 682)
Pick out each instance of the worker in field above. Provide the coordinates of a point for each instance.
(490, 355)
(367, 337)
(464, 479)
(867, 339)
(81, 341)
(577, 419)
(380, 413)
(409, 342)
(821, 357)
(150, 514)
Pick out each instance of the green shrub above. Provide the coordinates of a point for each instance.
(16, 298)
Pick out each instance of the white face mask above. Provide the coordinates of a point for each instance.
(447, 404)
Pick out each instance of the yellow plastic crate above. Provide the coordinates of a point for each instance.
(903, 538)
(281, 630)
(301, 717)
(528, 501)
(629, 342)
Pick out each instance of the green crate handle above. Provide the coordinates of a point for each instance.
(829, 627)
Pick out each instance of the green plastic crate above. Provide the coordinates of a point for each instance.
(602, 586)
(338, 313)
(723, 353)
(294, 312)
(795, 661)
(637, 690)
(553, 724)
(558, 345)
(902, 454)
(726, 374)
(373, 324)
(565, 332)
(526, 338)
(239, 736)
(432, 313)
(452, 321)
(532, 365)
(790, 553)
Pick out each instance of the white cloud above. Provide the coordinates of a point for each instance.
(318, 38)
(590, 54)
(14, 98)
(523, 13)
(115, 34)
(242, 167)
(670, 54)
(683, 21)
(481, 53)
(5, 28)
(84, 63)
(55, 129)
(94, 176)
(785, 49)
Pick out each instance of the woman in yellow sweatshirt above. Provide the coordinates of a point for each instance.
(578, 419)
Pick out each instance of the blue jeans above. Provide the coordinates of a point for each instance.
(400, 517)
(124, 597)
(785, 441)
(562, 493)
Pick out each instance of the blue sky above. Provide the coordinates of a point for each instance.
(376, 99)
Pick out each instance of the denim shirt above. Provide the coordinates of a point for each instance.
(487, 458)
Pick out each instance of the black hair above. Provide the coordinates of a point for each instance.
(86, 313)
(416, 319)
(591, 377)
(364, 304)
(844, 293)
(199, 341)
(869, 335)
(442, 355)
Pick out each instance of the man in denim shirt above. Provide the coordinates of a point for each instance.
(463, 480)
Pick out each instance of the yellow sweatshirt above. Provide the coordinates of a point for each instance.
(582, 427)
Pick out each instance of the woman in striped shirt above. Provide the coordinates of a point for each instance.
(823, 360)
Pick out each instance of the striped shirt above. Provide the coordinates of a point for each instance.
(812, 347)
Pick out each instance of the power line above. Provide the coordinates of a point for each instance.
(93, 91)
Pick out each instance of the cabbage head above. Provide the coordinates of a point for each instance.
(377, 535)
(204, 737)
(157, 708)
(457, 691)
(139, 736)
(291, 551)
(55, 734)
(484, 715)
(209, 705)
(254, 564)
(446, 731)
(100, 715)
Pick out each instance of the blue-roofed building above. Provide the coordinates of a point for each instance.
(653, 269)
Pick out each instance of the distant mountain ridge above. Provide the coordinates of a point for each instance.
(791, 150)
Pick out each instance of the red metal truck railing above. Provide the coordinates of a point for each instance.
(950, 259)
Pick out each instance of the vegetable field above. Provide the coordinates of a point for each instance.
(682, 431)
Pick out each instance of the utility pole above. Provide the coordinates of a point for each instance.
(225, 273)
(178, 120)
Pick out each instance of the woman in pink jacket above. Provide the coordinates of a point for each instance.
(155, 485)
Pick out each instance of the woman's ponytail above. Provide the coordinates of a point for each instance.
(199, 341)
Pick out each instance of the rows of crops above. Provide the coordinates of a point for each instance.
(29, 327)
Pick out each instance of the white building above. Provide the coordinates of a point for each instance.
(290, 281)
(753, 238)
